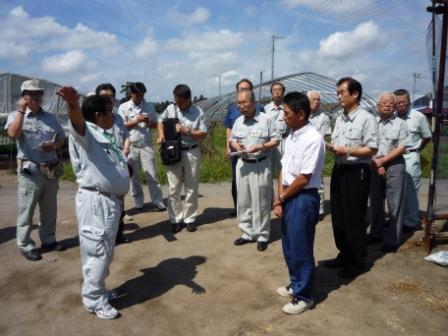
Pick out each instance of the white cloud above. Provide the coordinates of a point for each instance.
(365, 37)
(198, 16)
(69, 62)
(208, 41)
(146, 48)
(13, 51)
(92, 78)
(333, 7)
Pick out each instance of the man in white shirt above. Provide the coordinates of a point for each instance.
(140, 117)
(298, 201)
(321, 122)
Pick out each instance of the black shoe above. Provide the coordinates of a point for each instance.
(242, 241)
(175, 228)
(321, 217)
(370, 240)
(387, 248)
(262, 246)
(32, 255)
(350, 272)
(191, 227)
(334, 263)
(54, 246)
(410, 229)
(121, 239)
(232, 214)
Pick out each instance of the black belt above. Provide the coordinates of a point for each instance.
(413, 150)
(188, 147)
(352, 166)
(254, 160)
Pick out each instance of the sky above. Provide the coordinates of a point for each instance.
(164, 43)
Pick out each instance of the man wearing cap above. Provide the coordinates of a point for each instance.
(253, 135)
(140, 117)
(39, 135)
(321, 122)
(420, 135)
(192, 130)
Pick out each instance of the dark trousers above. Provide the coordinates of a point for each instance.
(349, 192)
(301, 214)
(233, 162)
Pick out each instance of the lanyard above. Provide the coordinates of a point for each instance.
(111, 139)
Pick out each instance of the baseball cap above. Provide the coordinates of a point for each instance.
(31, 85)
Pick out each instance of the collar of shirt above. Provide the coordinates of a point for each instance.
(388, 120)
(352, 114)
(300, 131)
(253, 119)
(315, 114)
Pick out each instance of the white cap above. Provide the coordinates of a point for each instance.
(31, 85)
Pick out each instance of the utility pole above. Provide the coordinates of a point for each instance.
(415, 77)
(274, 37)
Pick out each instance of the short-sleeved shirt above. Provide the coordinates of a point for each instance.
(141, 133)
(192, 118)
(97, 161)
(119, 131)
(254, 131)
(37, 129)
(392, 132)
(321, 122)
(355, 129)
(304, 154)
(277, 114)
(418, 128)
(233, 113)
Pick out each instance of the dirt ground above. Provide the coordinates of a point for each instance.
(200, 284)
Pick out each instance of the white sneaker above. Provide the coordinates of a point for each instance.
(138, 204)
(106, 313)
(285, 291)
(297, 306)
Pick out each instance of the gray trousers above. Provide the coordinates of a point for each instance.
(144, 157)
(254, 185)
(391, 187)
(32, 190)
(98, 218)
(185, 172)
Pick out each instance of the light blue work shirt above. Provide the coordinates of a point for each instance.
(37, 129)
(97, 161)
(140, 134)
(418, 128)
(254, 131)
(321, 122)
(355, 129)
(277, 114)
(192, 118)
(392, 132)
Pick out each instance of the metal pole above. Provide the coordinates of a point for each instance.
(272, 57)
(259, 89)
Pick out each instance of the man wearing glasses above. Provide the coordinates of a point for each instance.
(39, 135)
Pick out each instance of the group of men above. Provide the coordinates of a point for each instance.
(374, 156)
(284, 139)
(107, 150)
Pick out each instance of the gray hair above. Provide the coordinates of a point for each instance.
(385, 94)
(312, 92)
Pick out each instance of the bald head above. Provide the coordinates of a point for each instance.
(314, 97)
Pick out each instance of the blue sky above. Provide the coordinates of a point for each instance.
(164, 43)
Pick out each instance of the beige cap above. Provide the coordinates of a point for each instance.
(31, 85)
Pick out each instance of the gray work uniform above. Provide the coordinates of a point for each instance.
(321, 122)
(277, 115)
(392, 133)
(187, 170)
(254, 176)
(141, 153)
(33, 187)
(418, 130)
(103, 178)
